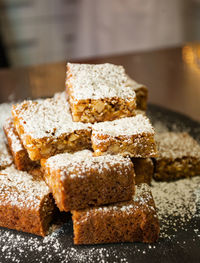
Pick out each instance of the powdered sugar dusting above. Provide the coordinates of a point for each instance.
(5, 112)
(177, 203)
(138, 124)
(21, 189)
(177, 145)
(181, 198)
(58, 247)
(77, 164)
(48, 118)
(5, 156)
(98, 81)
(12, 134)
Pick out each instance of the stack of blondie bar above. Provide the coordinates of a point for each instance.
(89, 149)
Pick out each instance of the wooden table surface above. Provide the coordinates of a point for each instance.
(172, 76)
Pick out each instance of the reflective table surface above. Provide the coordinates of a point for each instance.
(172, 76)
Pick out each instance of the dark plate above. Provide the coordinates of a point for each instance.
(183, 247)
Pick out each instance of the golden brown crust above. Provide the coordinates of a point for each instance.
(34, 221)
(19, 153)
(134, 146)
(26, 203)
(132, 136)
(91, 182)
(133, 221)
(91, 111)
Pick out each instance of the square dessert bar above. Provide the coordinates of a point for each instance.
(144, 169)
(81, 180)
(46, 128)
(25, 202)
(19, 153)
(132, 136)
(99, 92)
(131, 221)
(141, 93)
(5, 156)
(179, 156)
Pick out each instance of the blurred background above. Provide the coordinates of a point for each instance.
(43, 31)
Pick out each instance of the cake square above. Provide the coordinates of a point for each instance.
(141, 93)
(99, 92)
(46, 128)
(25, 202)
(131, 221)
(81, 180)
(5, 156)
(179, 156)
(19, 153)
(133, 136)
(144, 169)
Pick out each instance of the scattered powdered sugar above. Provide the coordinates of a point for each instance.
(18, 248)
(49, 118)
(177, 145)
(177, 203)
(101, 81)
(181, 198)
(21, 189)
(128, 126)
(77, 164)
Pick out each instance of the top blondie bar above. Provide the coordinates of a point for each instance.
(99, 92)
(46, 128)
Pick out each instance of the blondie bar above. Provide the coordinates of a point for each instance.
(131, 221)
(99, 92)
(133, 136)
(81, 180)
(19, 153)
(179, 156)
(141, 93)
(5, 156)
(46, 128)
(144, 169)
(25, 202)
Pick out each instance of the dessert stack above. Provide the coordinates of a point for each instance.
(89, 149)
